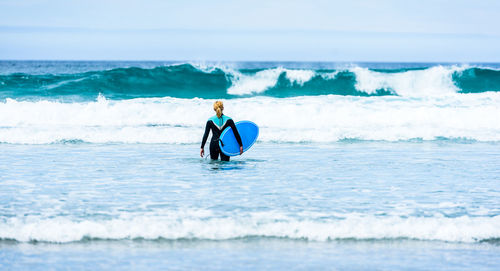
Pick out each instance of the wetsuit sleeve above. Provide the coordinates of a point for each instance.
(205, 136)
(236, 134)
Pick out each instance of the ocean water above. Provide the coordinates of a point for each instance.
(379, 166)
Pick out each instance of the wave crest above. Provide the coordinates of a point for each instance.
(304, 119)
(173, 227)
(190, 81)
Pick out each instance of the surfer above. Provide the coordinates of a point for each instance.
(217, 124)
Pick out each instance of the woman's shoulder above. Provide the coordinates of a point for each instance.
(215, 118)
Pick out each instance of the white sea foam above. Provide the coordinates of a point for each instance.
(434, 81)
(301, 119)
(259, 82)
(299, 76)
(206, 226)
(248, 84)
(329, 75)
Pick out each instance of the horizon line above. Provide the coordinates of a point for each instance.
(256, 61)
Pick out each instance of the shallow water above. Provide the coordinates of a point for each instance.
(252, 255)
(347, 205)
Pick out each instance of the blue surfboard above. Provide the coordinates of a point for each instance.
(248, 131)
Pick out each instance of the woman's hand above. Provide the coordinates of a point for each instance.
(202, 153)
(241, 150)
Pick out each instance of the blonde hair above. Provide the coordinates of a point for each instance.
(218, 107)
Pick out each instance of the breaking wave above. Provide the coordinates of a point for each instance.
(205, 226)
(327, 118)
(211, 82)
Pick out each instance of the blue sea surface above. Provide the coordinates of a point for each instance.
(336, 206)
(367, 166)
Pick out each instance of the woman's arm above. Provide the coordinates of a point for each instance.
(205, 136)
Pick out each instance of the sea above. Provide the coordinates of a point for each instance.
(358, 166)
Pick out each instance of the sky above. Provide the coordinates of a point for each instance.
(314, 30)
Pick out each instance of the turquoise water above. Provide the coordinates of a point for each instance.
(128, 80)
(108, 179)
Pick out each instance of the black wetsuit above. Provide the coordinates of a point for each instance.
(214, 142)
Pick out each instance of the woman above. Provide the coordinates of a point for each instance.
(217, 124)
